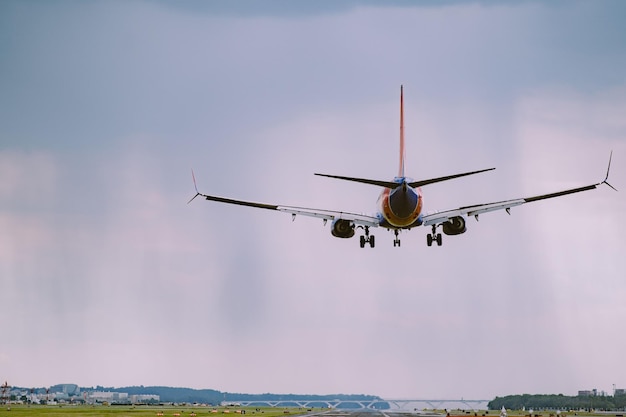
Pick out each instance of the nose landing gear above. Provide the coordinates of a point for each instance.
(396, 241)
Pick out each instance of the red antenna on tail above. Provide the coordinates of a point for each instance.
(401, 169)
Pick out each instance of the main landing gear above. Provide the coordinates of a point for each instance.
(430, 238)
(367, 238)
(434, 237)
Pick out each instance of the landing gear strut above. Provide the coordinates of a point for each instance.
(367, 238)
(396, 241)
(434, 237)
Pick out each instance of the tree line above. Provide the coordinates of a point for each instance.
(209, 396)
(558, 402)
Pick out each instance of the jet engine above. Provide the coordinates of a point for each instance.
(342, 228)
(454, 226)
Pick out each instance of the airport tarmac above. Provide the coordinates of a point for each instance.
(372, 413)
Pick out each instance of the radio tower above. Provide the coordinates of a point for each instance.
(5, 392)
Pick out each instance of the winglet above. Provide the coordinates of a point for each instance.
(607, 173)
(194, 186)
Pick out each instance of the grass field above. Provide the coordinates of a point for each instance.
(546, 413)
(139, 411)
(191, 411)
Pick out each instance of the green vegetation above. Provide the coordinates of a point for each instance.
(142, 411)
(522, 413)
(73, 394)
(558, 402)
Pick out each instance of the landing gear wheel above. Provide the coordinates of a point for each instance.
(396, 241)
(434, 237)
(367, 238)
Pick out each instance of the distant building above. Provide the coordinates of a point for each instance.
(109, 396)
(620, 391)
(67, 389)
(587, 393)
(144, 398)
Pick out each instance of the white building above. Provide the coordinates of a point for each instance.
(109, 396)
(142, 398)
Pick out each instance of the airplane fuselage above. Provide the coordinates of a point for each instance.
(400, 207)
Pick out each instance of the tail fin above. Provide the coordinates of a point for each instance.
(402, 153)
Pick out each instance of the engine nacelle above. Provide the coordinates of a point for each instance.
(342, 228)
(454, 226)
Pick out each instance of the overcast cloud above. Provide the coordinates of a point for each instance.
(108, 277)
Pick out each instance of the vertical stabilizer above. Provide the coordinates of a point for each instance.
(401, 169)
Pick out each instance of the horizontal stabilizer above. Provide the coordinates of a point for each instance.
(386, 184)
(415, 184)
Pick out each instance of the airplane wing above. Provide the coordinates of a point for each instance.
(359, 219)
(476, 210)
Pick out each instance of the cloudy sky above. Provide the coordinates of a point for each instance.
(108, 277)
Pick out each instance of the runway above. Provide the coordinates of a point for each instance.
(372, 413)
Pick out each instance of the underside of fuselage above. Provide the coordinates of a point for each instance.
(401, 207)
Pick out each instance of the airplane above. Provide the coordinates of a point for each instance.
(400, 204)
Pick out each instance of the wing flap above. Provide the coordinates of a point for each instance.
(486, 208)
(361, 219)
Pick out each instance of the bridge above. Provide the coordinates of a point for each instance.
(462, 404)
(375, 404)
